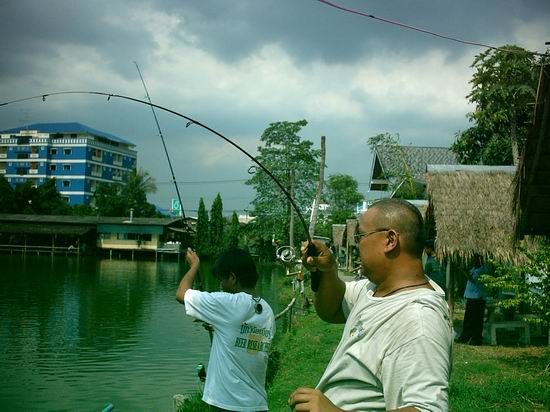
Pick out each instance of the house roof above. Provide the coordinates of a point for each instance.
(69, 127)
(84, 220)
(471, 210)
(532, 182)
(413, 158)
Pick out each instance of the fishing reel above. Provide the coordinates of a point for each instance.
(286, 254)
(201, 372)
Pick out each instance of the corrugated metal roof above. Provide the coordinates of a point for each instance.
(69, 127)
(86, 220)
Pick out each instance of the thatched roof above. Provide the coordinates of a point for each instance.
(470, 207)
(532, 183)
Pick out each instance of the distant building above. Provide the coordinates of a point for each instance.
(392, 162)
(76, 155)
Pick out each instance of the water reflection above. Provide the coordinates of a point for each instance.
(76, 334)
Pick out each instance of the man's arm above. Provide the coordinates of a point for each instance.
(313, 400)
(187, 281)
(328, 298)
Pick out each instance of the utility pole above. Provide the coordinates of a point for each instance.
(315, 208)
(291, 228)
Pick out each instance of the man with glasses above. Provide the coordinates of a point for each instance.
(395, 351)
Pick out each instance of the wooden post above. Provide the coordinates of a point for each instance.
(291, 224)
(315, 208)
(451, 288)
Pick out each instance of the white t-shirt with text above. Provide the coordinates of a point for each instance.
(241, 342)
(395, 351)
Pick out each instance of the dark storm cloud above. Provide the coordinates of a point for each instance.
(311, 30)
(232, 30)
(32, 32)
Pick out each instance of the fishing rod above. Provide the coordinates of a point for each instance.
(184, 223)
(185, 226)
(311, 250)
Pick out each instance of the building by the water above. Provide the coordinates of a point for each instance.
(77, 156)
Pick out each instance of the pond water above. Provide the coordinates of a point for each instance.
(80, 333)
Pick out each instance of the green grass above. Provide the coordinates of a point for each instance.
(484, 378)
(304, 353)
(498, 378)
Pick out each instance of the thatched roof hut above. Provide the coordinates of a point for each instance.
(532, 183)
(471, 211)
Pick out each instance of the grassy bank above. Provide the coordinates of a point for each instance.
(484, 378)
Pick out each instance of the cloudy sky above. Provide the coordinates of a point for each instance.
(239, 65)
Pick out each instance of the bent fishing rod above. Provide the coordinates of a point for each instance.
(311, 250)
(184, 223)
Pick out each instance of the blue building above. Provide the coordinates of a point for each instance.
(77, 156)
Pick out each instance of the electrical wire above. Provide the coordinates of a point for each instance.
(431, 33)
(201, 182)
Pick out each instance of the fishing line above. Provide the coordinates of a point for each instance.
(311, 250)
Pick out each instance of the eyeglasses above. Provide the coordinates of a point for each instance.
(358, 235)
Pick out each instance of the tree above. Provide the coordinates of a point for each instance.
(216, 226)
(135, 192)
(8, 202)
(530, 283)
(113, 199)
(48, 201)
(503, 88)
(108, 200)
(232, 234)
(202, 242)
(343, 196)
(283, 151)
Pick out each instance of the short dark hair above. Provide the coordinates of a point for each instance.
(240, 263)
(404, 217)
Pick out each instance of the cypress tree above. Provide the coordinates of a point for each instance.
(201, 243)
(216, 226)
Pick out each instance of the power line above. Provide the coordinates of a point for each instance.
(431, 33)
(201, 181)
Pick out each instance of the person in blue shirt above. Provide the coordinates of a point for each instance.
(432, 267)
(476, 299)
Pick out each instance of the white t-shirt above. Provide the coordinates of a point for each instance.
(240, 347)
(394, 352)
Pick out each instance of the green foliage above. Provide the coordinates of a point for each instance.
(108, 200)
(135, 192)
(215, 228)
(530, 284)
(399, 175)
(283, 151)
(8, 201)
(82, 210)
(343, 196)
(48, 201)
(503, 90)
(232, 234)
(27, 199)
(202, 242)
(112, 199)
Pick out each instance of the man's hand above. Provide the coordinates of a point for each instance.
(310, 400)
(324, 261)
(192, 258)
